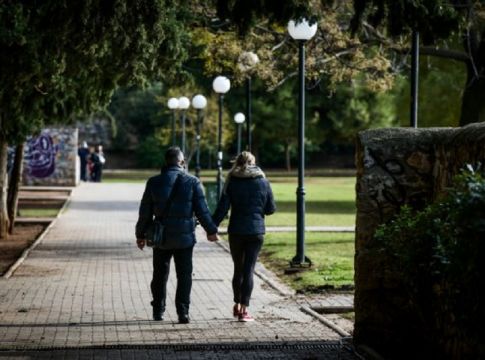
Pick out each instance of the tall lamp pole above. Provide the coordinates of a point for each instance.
(414, 79)
(301, 31)
(247, 61)
(199, 102)
(184, 104)
(221, 85)
(173, 104)
(239, 119)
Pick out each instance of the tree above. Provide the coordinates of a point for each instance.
(59, 59)
(435, 20)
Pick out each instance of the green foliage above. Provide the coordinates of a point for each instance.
(438, 252)
(434, 19)
(149, 153)
(59, 59)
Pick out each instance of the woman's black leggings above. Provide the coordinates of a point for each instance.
(244, 251)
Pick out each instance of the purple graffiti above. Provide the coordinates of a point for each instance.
(41, 156)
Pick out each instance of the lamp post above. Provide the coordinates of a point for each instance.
(173, 104)
(221, 85)
(199, 102)
(239, 119)
(414, 79)
(301, 31)
(247, 60)
(184, 104)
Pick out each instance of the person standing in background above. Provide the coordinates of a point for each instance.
(98, 160)
(83, 153)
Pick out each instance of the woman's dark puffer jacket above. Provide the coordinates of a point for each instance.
(187, 200)
(250, 198)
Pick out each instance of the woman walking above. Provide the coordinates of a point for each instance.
(249, 195)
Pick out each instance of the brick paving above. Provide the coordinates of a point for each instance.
(87, 285)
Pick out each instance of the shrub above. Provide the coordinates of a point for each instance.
(438, 252)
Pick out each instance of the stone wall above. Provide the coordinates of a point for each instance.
(51, 158)
(397, 167)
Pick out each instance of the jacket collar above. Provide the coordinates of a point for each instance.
(172, 168)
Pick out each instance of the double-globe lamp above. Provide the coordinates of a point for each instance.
(199, 102)
(221, 85)
(184, 104)
(302, 31)
(173, 104)
(239, 120)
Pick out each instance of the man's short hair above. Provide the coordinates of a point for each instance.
(173, 156)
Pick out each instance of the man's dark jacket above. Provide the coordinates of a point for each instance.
(250, 199)
(188, 199)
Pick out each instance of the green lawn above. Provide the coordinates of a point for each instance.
(332, 255)
(48, 212)
(330, 201)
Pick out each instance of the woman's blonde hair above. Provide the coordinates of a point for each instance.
(243, 161)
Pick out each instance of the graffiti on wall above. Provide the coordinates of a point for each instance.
(40, 156)
(51, 158)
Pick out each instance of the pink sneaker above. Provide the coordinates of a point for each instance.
(235, 311)
(245, 317)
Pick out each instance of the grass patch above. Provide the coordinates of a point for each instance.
(330, 201)
(45, 212)
(332, 255)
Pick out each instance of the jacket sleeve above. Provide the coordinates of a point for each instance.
(145, 213)
(223, 207)
(202, 211)
(270, 206)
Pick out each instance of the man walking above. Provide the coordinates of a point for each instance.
(184, 195)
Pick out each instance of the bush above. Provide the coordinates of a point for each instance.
(438, 252)
(149, 153)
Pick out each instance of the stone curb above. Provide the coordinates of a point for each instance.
(325, 321)
(26, 252)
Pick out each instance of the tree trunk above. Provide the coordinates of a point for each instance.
(4, 223)
(473, 100)
(287, 157)
(14, 185)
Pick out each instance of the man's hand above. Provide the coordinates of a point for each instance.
(212, 237)
(140, 243)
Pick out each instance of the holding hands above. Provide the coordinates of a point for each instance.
(212, 237)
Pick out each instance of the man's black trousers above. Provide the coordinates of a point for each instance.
(161, 269)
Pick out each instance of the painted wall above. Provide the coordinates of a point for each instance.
(51, 158)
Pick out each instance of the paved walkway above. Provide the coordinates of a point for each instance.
(86, 285)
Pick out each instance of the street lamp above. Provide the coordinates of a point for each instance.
(199, 102)
(301, 31)
(248, 60)
(184, 104)
(173, 104)
(221, 85)
(239, 119)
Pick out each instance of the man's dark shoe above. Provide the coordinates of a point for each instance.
(184, 319)
(157, 315)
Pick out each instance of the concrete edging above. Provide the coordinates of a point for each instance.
(325, 321)
(26, 251)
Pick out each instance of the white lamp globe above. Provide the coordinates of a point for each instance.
(184, 103)
(301, 29)
(173, 103)
(221, 84)
(247, 60)
(239, 118)
(199, 101)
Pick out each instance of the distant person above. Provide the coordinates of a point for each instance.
(179, 234)
(83, 153)
(249, 195)
(98, 160)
